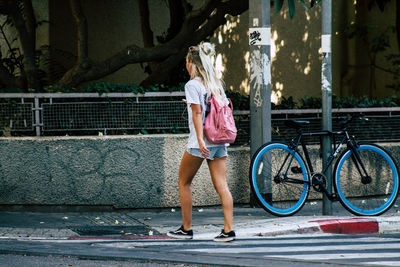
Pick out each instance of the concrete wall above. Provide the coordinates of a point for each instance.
(120, 171)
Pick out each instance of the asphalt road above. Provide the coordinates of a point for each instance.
(299, 250)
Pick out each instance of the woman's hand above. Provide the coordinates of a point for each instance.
(203, 149)
(198, 126)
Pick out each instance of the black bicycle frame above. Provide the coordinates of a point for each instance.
(345, 140)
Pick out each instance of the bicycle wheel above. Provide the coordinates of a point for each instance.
(279, 179)
(371, 195)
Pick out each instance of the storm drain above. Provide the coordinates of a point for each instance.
(136, 230)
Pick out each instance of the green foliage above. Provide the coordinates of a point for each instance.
(10, 90)
(107, 87)
(240, 102)
(310, 102)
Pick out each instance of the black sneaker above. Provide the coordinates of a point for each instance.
(225, 237)
(181, 234)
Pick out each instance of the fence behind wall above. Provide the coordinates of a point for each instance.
(120, 113)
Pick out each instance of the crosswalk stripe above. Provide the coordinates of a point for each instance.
(335, 256)
(254, 242)
(387, 263)
(298, 248)
(374, 251)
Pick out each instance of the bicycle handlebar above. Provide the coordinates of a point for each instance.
(350, 118)
(343, 121)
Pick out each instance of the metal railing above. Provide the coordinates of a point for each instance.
(91, 111)
(57, 114)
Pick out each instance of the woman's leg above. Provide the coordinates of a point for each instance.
(187, 170)
(218, 175)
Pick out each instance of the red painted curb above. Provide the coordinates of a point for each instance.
(349, 226)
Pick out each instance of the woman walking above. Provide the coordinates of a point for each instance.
(203, 82)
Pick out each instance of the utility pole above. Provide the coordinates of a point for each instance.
(260, 75)
(326, 78)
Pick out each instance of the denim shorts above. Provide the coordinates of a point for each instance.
(217, 151)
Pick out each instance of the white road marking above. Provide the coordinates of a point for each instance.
(300, 248)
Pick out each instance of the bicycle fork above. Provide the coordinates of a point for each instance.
(365, 178)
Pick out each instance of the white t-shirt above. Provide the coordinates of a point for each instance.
(196, 93)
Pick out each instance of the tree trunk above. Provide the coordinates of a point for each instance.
(398, 23)
(147, 33)
(27, 43)
(30, 20)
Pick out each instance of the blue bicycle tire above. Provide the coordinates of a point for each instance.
(367, 199)
(292, 200)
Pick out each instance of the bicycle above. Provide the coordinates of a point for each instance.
(365, 175)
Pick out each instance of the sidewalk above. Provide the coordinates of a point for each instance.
(207, 223)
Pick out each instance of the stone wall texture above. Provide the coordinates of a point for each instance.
(118, 171)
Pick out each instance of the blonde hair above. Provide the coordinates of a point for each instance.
(202, 57)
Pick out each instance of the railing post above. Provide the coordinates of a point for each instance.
(37, 116)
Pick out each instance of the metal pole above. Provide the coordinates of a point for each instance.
(260, 73)
(326, 74)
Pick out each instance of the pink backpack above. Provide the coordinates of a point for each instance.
(219, 126)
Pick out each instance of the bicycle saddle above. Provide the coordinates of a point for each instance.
(295, 124)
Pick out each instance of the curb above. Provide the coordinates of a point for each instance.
(354, 226)
(349, 226)
(244, 229)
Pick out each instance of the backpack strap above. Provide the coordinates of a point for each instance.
(231, 103)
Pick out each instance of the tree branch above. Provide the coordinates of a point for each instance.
(191, 27)
(170, 54)
(130, 55)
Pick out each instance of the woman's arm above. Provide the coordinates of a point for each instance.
(197, 117)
